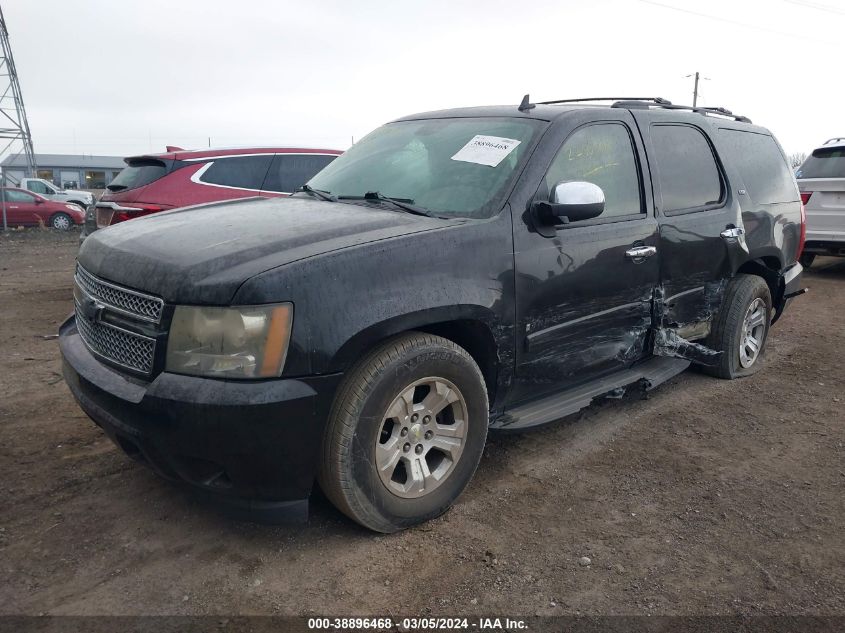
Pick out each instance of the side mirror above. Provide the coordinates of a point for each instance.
(39, 201)
(572, 202)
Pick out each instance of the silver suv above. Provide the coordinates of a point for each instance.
(821, 180)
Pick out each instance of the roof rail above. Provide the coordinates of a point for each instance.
(656, 100)
(526, 104)
(641, 103)
(645, 104)
(834, 140)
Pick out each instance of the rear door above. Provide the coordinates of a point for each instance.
(821, 180)
(583, 300)
(695, 207)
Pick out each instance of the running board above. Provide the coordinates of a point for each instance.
(649, 374)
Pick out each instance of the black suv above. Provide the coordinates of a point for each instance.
(453, 272)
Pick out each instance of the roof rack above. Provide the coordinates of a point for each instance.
(834, 140)
(646, 104)
(641, 103)
(527, 105)
(655, 100)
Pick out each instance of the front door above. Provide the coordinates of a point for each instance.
(584, 293)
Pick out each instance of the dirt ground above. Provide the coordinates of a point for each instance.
(709, 497)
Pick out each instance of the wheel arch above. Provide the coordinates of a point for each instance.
(768, 267)
(471, 327)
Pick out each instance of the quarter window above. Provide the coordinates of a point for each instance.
(241, 172)
(761, 165)
(689, 177)
(290, 171)
(602, 154)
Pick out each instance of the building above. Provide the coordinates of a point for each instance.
(65, 170)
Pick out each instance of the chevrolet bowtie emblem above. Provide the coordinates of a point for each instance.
(91, 309)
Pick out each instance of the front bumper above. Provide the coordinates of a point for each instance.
(252, 445)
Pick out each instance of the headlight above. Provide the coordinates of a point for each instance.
(73, 207)
(241, 342)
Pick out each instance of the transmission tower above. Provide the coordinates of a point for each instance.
(13, 124)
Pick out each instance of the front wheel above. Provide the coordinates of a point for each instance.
(61, 222)
(741, 328)
(406, 433)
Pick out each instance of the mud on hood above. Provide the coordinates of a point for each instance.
(202, 255)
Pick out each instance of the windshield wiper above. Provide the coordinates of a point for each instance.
(405, 204)
(317, 193)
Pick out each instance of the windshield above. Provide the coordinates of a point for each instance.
(454, 167)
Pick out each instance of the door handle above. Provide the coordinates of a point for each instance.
(640, 252)
(732, 232)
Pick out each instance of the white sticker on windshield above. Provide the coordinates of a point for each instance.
(486, 150)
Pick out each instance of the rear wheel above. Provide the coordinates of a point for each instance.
(406, 433)
(61, 221)
(741, 328)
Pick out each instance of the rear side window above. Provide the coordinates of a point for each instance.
(138, 173)
(241, 172)
(761, 165)
(689, 177)
(825, 162)
(18, 196)
(291, 171)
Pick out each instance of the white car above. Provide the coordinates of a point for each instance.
(821, 180)
(48, 190)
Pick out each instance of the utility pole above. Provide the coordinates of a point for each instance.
(695, 91)
(695, 87)
(13, 124)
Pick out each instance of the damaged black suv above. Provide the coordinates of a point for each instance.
(453, 272)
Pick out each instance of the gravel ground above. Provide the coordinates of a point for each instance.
(709, 497)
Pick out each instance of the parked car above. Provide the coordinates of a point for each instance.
(48, 190)
(180, 178)
(453, 272)
(821, 179)
(29, 209)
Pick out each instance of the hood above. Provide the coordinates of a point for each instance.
(202, 255)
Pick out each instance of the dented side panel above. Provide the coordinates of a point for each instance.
(584, 309)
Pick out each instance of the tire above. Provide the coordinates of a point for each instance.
(61, 221)
(807, 259)
(371, 419)
(747, 304)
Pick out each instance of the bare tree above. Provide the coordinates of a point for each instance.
(797, 159)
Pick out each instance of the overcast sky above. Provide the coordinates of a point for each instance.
(126, 77)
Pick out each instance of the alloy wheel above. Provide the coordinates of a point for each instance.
(422, 437)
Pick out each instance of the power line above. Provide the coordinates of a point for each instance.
(817, 6)
(736, 23)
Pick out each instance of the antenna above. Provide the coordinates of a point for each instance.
(13, 124)
(526, 104)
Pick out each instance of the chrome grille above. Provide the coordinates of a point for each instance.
(130, 302)
(120, 346)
